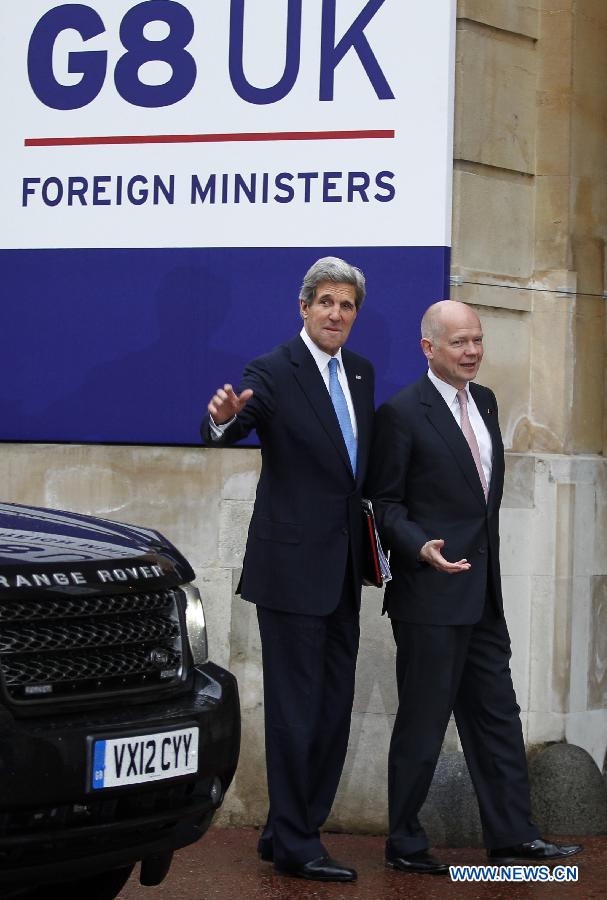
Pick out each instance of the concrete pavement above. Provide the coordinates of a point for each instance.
(224, 866)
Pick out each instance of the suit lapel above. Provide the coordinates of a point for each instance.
(311, 382)
(359, 393)
(442, 419)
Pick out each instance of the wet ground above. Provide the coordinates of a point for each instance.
(224, 866)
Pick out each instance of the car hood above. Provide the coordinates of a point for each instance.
(75, 550)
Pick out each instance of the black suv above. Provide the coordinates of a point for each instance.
(118, 738)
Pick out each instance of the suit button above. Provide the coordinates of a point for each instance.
(345, 531)
(482, 549)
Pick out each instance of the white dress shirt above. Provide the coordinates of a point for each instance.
(322, 361)
(483, 438)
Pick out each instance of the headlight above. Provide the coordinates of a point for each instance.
(196, 625)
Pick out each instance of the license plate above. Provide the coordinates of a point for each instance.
(144, 758)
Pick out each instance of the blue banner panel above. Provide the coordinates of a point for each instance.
(128, 345)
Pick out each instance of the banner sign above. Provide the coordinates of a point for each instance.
(170, 170)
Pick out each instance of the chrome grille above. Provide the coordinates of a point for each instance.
(87, 633)
(77, 646)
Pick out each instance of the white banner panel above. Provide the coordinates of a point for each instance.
(244, 149)
(171, 168)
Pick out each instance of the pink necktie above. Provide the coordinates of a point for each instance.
(471, 438)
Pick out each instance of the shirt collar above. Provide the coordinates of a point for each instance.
(320, 357)
(447, 391)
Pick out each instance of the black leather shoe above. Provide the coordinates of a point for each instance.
(421, 862)
(265, 851)
(539, 850)
(324, 868)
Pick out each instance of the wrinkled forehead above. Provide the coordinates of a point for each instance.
(340, 290)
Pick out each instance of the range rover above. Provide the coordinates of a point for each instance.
(118, 736)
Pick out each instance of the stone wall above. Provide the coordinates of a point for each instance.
(530, 221)
(529, 232)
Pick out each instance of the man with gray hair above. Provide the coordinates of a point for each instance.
(311, 403)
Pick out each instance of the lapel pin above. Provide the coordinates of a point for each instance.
(358, 377)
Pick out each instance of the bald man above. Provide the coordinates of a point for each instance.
(436, 477)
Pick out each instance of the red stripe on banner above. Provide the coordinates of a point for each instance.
(210, 138)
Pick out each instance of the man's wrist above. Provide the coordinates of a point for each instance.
(420, 554)
(217, 430)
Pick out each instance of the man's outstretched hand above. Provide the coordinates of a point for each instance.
(431, 554)
(225, 404)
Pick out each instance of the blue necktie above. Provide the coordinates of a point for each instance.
(341, 411)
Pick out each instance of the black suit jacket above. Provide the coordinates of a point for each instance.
(307, 509)
(424, 485)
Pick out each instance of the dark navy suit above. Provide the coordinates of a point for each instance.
(302, 569)
(453, 647)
